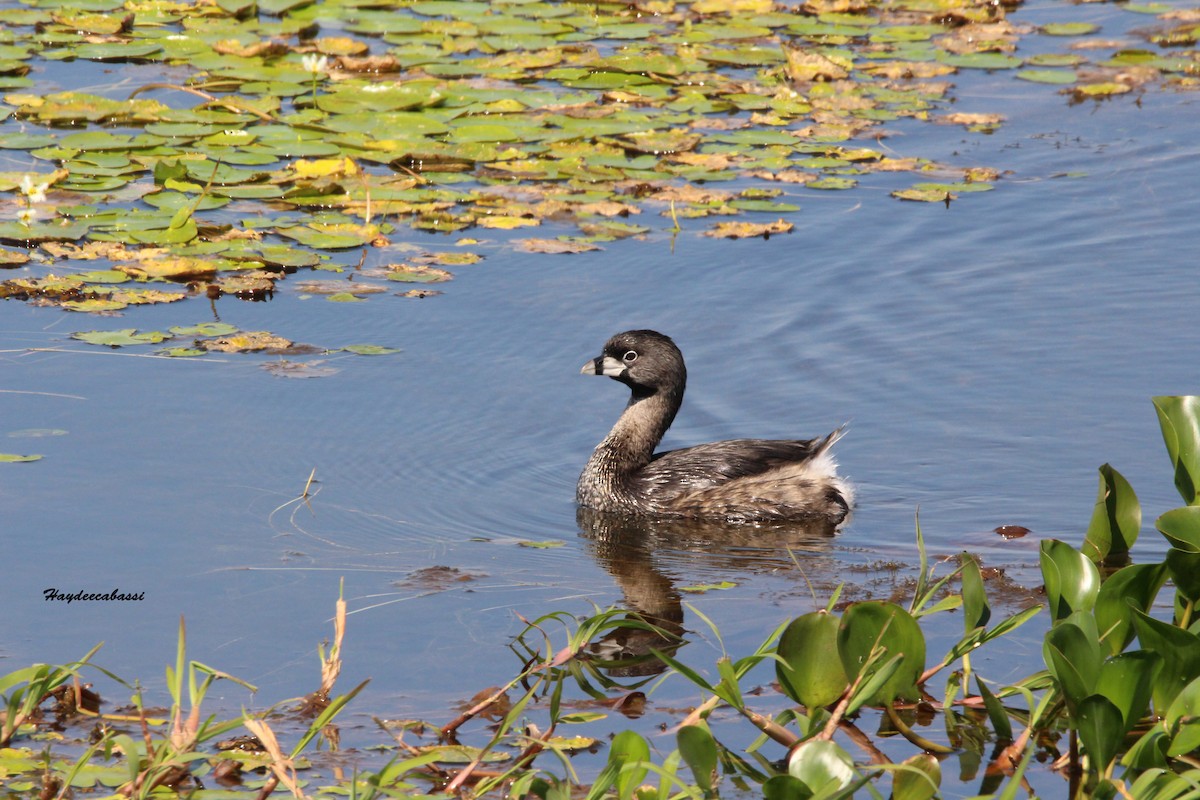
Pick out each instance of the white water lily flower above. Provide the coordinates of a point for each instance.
(315, 64)
(35, 193)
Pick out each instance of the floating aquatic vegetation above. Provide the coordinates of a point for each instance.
(276, 148)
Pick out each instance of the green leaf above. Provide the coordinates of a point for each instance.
(995, 710)
(980, 60)
(918, 778)
(627, 753)
(369, 349)
(1100, 730)
(1116, 518)
(1074, 658)
(1071, 579)
(1050, 76)
(1180, 651)
(878, 624)
(121, 338)
(204, 329)
(1184, 568)
(809, 669)
(1179, 418)
(976, 612)
(821, 765)
(1181, 527)
(1127, 680)
(785, 787)
(1182, 720)
(699, 751)
(13, 458)
(1069, 28)
(701, 588)
(1134, 586)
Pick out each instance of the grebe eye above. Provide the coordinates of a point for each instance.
(629, 357)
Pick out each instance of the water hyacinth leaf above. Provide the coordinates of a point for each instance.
(918, 778)
(1182, 720)
(870, 625)
(809, 669)
(1073, 657)
(1181, 527)
(699, 751)
(626, 755)
(1180, 651)
(1179, 418)
(785, 787)
(823, 766)
(1132, 586)
(1116, 518)
(1184, 569)
(976, 611)
(1127, 680)
(1072, 580)
(1100, 730)
(995, 711)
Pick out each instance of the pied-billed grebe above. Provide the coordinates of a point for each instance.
(737, 480)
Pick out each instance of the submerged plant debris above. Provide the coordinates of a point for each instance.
(332, 136)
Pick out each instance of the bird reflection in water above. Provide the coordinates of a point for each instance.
(633, 549)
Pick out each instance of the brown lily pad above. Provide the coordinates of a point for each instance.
(748, 230)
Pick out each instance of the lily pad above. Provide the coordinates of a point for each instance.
(745, 230)
(13, 458)
(122, 338)
(1069, 28)
(416, 274)
(1051, 76)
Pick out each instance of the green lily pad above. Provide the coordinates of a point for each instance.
(13, 458)
(1069, 28)
(369, 349)
(701, 588)
(204, 329)
(122, 338)
(1051, 76)
(418, 274)
(981, 61)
